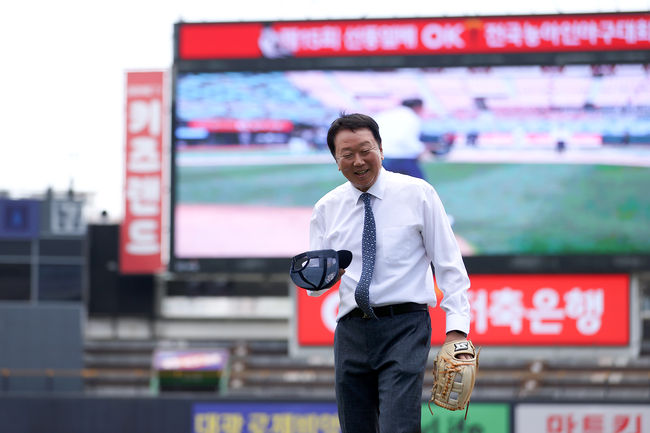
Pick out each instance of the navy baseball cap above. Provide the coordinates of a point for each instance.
(317, 270)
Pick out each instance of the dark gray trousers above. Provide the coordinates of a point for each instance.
(380, 366)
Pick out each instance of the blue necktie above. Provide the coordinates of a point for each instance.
(368, 250)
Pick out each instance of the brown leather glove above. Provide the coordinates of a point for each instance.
(453, 378)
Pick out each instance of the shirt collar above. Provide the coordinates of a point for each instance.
(377, 189)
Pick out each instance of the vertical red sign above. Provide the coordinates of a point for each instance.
(141, 231)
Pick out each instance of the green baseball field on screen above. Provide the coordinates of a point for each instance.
(498, 208)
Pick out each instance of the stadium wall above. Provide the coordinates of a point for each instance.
(27, 413)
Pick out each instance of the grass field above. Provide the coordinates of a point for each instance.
(512, 208)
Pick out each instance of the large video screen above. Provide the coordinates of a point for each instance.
(528, 160)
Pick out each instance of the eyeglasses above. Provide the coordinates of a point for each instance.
(351, 156)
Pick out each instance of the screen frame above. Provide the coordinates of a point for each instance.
(492, 264)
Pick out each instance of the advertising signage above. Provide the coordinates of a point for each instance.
(265, 417)
(586, 418)
(141, 231)
(321, 417)
(512, 310)
(422, 36)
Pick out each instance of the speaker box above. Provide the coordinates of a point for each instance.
(111, 293)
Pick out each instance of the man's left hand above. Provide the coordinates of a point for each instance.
(456, 336)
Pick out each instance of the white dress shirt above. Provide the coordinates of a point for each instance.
(400, 133)
(412, 232)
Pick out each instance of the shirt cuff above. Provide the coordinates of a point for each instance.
(316, 292)
(457, 322)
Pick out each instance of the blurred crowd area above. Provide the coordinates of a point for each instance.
(520, 106)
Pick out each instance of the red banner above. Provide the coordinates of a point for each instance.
(141, 231)
(511, 310)
(416, 36)
(242, 125)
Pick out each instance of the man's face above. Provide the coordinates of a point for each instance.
(359, 157)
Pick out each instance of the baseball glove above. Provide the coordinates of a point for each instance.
(453, 378)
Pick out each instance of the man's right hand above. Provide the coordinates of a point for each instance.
(338, 277)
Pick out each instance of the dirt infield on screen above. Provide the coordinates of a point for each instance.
(496, 208)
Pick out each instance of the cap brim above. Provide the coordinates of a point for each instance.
(345, 258)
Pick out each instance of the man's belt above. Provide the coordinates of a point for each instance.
(390, 310)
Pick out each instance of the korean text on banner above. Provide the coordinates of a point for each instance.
(519, 310)
(415, 36)
(596, 418)
(141, 231)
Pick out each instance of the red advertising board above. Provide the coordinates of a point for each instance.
(415, 36)
(586, 418)
(141, 231)
(512, 310)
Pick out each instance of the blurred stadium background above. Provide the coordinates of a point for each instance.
(181, 317)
